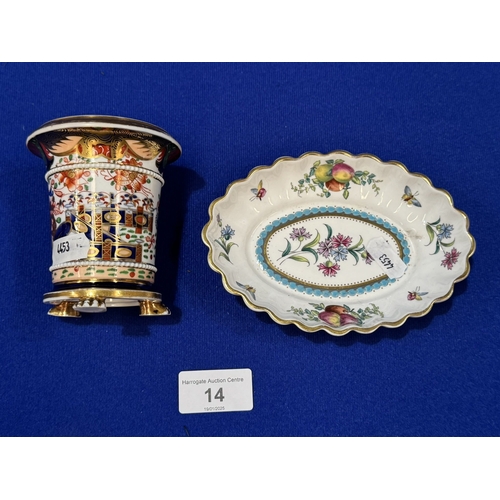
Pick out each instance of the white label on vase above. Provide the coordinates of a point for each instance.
(213, 391)
(68, 248)
(385, 257)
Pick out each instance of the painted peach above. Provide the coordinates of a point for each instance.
(342, 173)
(348, 319)
(331, 318)
(338, 316)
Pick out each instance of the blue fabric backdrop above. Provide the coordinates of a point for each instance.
(116, 374)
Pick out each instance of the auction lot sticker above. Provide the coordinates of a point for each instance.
(213, 391)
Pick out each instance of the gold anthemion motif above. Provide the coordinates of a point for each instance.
(103, 143)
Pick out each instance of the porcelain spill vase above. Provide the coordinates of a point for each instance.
(104, 175)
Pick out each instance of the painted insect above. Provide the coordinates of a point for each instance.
(410, 198)
(250, 289)
(258, 192)
(416, 295)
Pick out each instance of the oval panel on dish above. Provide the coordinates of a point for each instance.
(324, 250)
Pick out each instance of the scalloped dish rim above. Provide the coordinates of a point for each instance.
(322, 326)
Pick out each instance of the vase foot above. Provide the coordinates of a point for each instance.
(64, 309)
(71, 303)
(153, 308)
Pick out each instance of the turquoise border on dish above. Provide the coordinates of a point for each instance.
(329, 210)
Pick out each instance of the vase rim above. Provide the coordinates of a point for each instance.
(117, 122)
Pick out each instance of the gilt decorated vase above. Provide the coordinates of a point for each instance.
(104, 176)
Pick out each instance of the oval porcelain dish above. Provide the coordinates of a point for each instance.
(338, 242)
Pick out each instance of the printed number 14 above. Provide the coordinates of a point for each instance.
(218, 395)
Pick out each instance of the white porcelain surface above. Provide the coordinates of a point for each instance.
(292, 239)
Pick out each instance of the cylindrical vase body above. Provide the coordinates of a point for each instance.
(105, 176)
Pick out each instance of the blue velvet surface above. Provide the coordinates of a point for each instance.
(115, 374)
